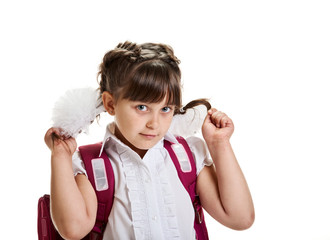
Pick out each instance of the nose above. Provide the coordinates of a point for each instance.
(153, 122)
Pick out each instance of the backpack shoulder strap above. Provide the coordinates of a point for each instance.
(100, 174)
(188, 177)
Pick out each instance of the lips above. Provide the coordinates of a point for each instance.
(149, 136)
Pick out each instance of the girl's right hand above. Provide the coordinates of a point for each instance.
(59, 144)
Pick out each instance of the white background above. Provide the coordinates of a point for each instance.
(265, 63)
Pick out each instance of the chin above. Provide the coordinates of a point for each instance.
(145, 146)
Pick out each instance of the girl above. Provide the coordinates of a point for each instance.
(140, 86)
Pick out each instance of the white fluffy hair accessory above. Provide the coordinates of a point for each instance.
(76, 110)
(190, 123)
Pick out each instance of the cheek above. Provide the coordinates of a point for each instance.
(128, 122)
(167, 123)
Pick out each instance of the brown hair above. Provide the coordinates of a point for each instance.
(147, 72)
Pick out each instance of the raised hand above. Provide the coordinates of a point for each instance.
(60, 145)
(217, 126)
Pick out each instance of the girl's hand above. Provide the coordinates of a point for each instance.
(217, 127)
(60, 145)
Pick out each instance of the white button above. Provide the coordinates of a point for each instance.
(154, 218)
(147, 180)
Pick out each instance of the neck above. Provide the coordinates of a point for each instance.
(120, 136)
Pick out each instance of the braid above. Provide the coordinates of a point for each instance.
(145, 72)
(159, 51)
(128, 49)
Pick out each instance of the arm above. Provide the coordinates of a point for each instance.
(73, 200)
(222, 188)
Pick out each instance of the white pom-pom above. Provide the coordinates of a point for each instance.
(189, 123)
(76, 110)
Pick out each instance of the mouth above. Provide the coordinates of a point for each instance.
(148, 136)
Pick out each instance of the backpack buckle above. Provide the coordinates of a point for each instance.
(199, 216)
(95, 236)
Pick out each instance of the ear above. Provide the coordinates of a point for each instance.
(108, 102)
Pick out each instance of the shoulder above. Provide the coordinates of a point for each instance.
(200, 151)
(194, 141)
(197, 145)
(77, 164)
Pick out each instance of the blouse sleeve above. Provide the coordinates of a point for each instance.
(77, 164)
(201, 153)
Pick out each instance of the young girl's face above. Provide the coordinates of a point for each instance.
(142, 125)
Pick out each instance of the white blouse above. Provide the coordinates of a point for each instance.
(150, 201)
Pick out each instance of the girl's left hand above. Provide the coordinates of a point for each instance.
(217, 126)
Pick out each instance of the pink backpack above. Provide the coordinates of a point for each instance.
(186, 169)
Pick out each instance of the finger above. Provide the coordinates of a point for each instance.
(226, 122)
(53, 137)
(56, 136)
(209, 114)
(49, 135)
(212, 110)
(72, 144)
(217, 117)
(223, 121)
(207, 119)
(49, 132)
